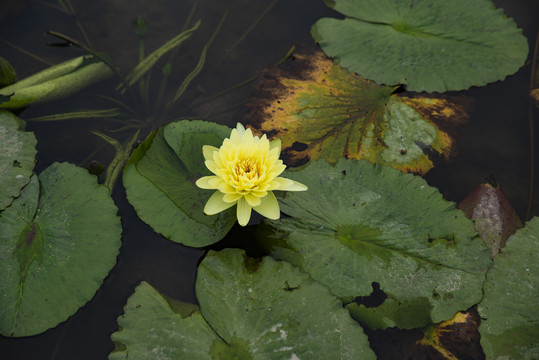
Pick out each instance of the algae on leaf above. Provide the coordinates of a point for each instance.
(249, 309)
(58, 241)
(510, 317)
(362, 224)
(160, 183)
(321, 110)
(17, 157)
(429, 45)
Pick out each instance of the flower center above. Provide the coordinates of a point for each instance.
(246, 168)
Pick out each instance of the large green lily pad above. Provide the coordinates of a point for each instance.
(429, 45)
(58, 241)
(160, 183)
(361, 224)
(249, 309)
(17, 157)
(321, 110)
(510, 316)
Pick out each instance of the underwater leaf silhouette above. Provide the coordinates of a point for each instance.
(58, 241)
(361, 224)
(17, 157)
(433, 45)
(493, 216)
(249, 309)
(321, 110)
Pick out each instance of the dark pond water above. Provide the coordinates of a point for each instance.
(495, 141)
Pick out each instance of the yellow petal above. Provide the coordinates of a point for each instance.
(235, 136)
(240, 128)
(276, 144)
(206, 182)
(269, 207)
(216, 204)
(208, 150)
(253, 200)
(210, 164)
(243, 212)
(226, 188)
(280, 183)
(231, 197)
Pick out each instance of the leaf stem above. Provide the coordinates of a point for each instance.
(531, 127)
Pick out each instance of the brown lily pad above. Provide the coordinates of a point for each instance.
(321, 110)
(493, 216)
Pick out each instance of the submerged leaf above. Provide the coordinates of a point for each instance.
(493, 216)
(17, 157)
(361, 224)
(434, 45)
(55, 82)
(321, 110)
(160, 183)
(510, 317)
(58, 241)
(249, 309)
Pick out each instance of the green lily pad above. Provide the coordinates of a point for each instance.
(54, 83)
(321, 110)
(361, 224)
(160, 177)
(510, 317)
(433, 45)
(17, 157)
(58, 241)
(249, 309)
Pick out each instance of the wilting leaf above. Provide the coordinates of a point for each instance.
(58, 241)
(55, 82)
(453, 339)
(17, 157)
(7, 73)
(434, 45)
(510, 316)
(361, 224)
(249, 309)
(493, 216)
(160, 183)
(321, 110)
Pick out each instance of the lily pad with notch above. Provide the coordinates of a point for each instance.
(17, 157)
(428, 45)
(58, 241)
(249, 309)
(160, 180)
(510, 317)
(361, 224)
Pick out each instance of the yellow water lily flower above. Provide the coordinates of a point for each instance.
(247, 170)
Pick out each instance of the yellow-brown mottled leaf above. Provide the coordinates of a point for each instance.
(321, 110)
(453, 339)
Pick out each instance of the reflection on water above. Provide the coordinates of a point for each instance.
(494, 142)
